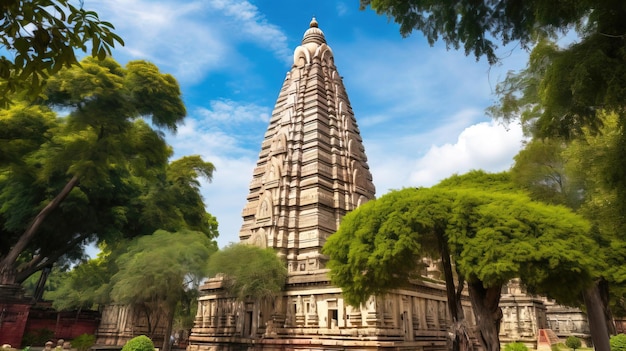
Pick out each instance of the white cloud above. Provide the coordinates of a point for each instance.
(234, 112)
(487, 146)
(203, 134)
(189, 39)
(255, 26)
(342, 8)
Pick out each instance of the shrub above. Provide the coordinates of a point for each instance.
(139, 343)
(83, 342)
(618, 342)
(37, 337)
(515, 346)
(573, 342)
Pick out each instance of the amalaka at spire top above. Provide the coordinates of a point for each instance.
(314, 34)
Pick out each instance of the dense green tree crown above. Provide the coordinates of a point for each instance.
(494, 235)
(249, 271)
(156, 267)
(110, 165)
(41, 37)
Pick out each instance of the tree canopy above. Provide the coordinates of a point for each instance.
(479, 26)
(249, 271)
(42, 36)
(493, 236)
(158, 270)
(99, 172)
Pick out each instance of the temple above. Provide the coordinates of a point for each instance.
(311, 171)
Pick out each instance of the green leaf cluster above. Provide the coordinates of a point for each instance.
(573, 342)
(249, 271)
(139, 343)
(83, 342)
(478, 26)
(515, 346)
(618, 342)
(126, 186)
(580, 174)
(42, 37)
(494, 235)
(159, 267)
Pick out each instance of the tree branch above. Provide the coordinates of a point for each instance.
(7, 271)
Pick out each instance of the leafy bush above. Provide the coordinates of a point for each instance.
(37, 337)
(139, 343)
(83, 342)
(515, 346)
(573, 342)
(618, 342)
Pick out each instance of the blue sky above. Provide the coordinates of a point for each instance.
(420, 109)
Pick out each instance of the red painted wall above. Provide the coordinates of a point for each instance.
(65, 325)
(18, 319)
(13, 317)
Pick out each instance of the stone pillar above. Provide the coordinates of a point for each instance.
(372, 318)
(355, 317)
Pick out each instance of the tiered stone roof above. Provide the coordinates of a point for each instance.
(312, 167)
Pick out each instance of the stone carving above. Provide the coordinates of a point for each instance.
(313, 305)
(431, 314)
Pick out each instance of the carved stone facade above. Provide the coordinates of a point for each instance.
(312, 167)
(120, 323)
(311, 171)
(311, 314)
(524, 315)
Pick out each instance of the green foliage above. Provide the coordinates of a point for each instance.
(494, 235)
(573, 342)
(478, 26)
(515, 346)
(83, 342)
(126, 185)
(161, 266)
(249, 271)
(579, 174)
(618, 342)
(37, 337)
(83, 287)
(139, 343)
(58, 29)
(379, 245)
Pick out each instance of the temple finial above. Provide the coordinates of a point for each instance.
(313, 23)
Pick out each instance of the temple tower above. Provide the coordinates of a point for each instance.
(312, 170)
(312, 167)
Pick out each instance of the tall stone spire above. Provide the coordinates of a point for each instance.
(312, 167)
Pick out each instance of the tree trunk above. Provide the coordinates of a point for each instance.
(167, 344)
(459, 335)
(596, 318)
(487, 312)
(7, 266)
(603, 286)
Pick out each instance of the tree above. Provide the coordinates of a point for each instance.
(158, 270)
(174, 204)
(493, 236)
(42, 36)
(101, 145)
(478, 26)
(249, 271)
(573, 342)
(583, 167)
